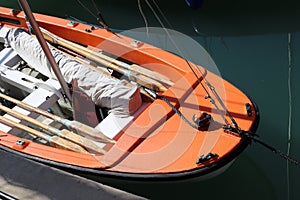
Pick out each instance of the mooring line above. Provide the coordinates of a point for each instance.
(144, 16)
(247, 134)
(290, 112)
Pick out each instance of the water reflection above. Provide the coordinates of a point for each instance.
(215, 17)
(243, 180)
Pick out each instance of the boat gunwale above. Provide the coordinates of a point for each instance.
(193, 173)
(203, 170)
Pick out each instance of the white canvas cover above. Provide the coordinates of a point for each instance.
(103, 90)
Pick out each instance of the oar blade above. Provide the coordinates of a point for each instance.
(152, 74)
(84, 142)
(61, 143)
(90, 132)
(150, 83)
(139, 74)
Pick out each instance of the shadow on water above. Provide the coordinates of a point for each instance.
(243, 180)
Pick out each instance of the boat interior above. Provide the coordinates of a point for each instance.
(181, 123)
(24, 83)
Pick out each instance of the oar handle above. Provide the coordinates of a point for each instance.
(53, 140)
(81, 128)
(29, 107)
(24, 117)
(77, 139)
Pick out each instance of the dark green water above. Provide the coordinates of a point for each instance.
(256, 46)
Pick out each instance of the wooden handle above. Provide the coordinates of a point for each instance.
(77, 139)
(99, 136)
(53, 140)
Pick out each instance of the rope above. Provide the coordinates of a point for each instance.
(143, 15)
(244, 134)
(254, 138)
(290, 64)
(99, 18)
(193, 71)
(179, 113)
(212, 89)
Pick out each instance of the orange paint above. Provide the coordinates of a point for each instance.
(158, 140)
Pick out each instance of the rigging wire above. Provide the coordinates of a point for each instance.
(161, 13)
(87, 9)
(244, 134)
(99, 18)
(194, 72)
(202, 122)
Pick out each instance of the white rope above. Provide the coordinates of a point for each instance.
(290, 113)
(144, 17)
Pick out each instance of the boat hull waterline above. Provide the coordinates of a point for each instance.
(154, 143)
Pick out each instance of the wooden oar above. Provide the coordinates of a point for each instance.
(133, 76)
(79, 127)
(146, 97)
(53, 140)
(134, 67)
(66, 134)
(145, 80)
(138, 69)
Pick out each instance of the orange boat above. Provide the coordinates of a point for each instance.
(180, 120)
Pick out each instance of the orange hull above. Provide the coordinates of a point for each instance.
(158, 143)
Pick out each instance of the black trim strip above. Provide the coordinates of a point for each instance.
(10, 21)
(90, 173)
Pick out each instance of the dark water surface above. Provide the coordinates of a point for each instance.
(256, 46)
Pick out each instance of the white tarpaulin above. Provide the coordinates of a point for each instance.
(103, 90)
